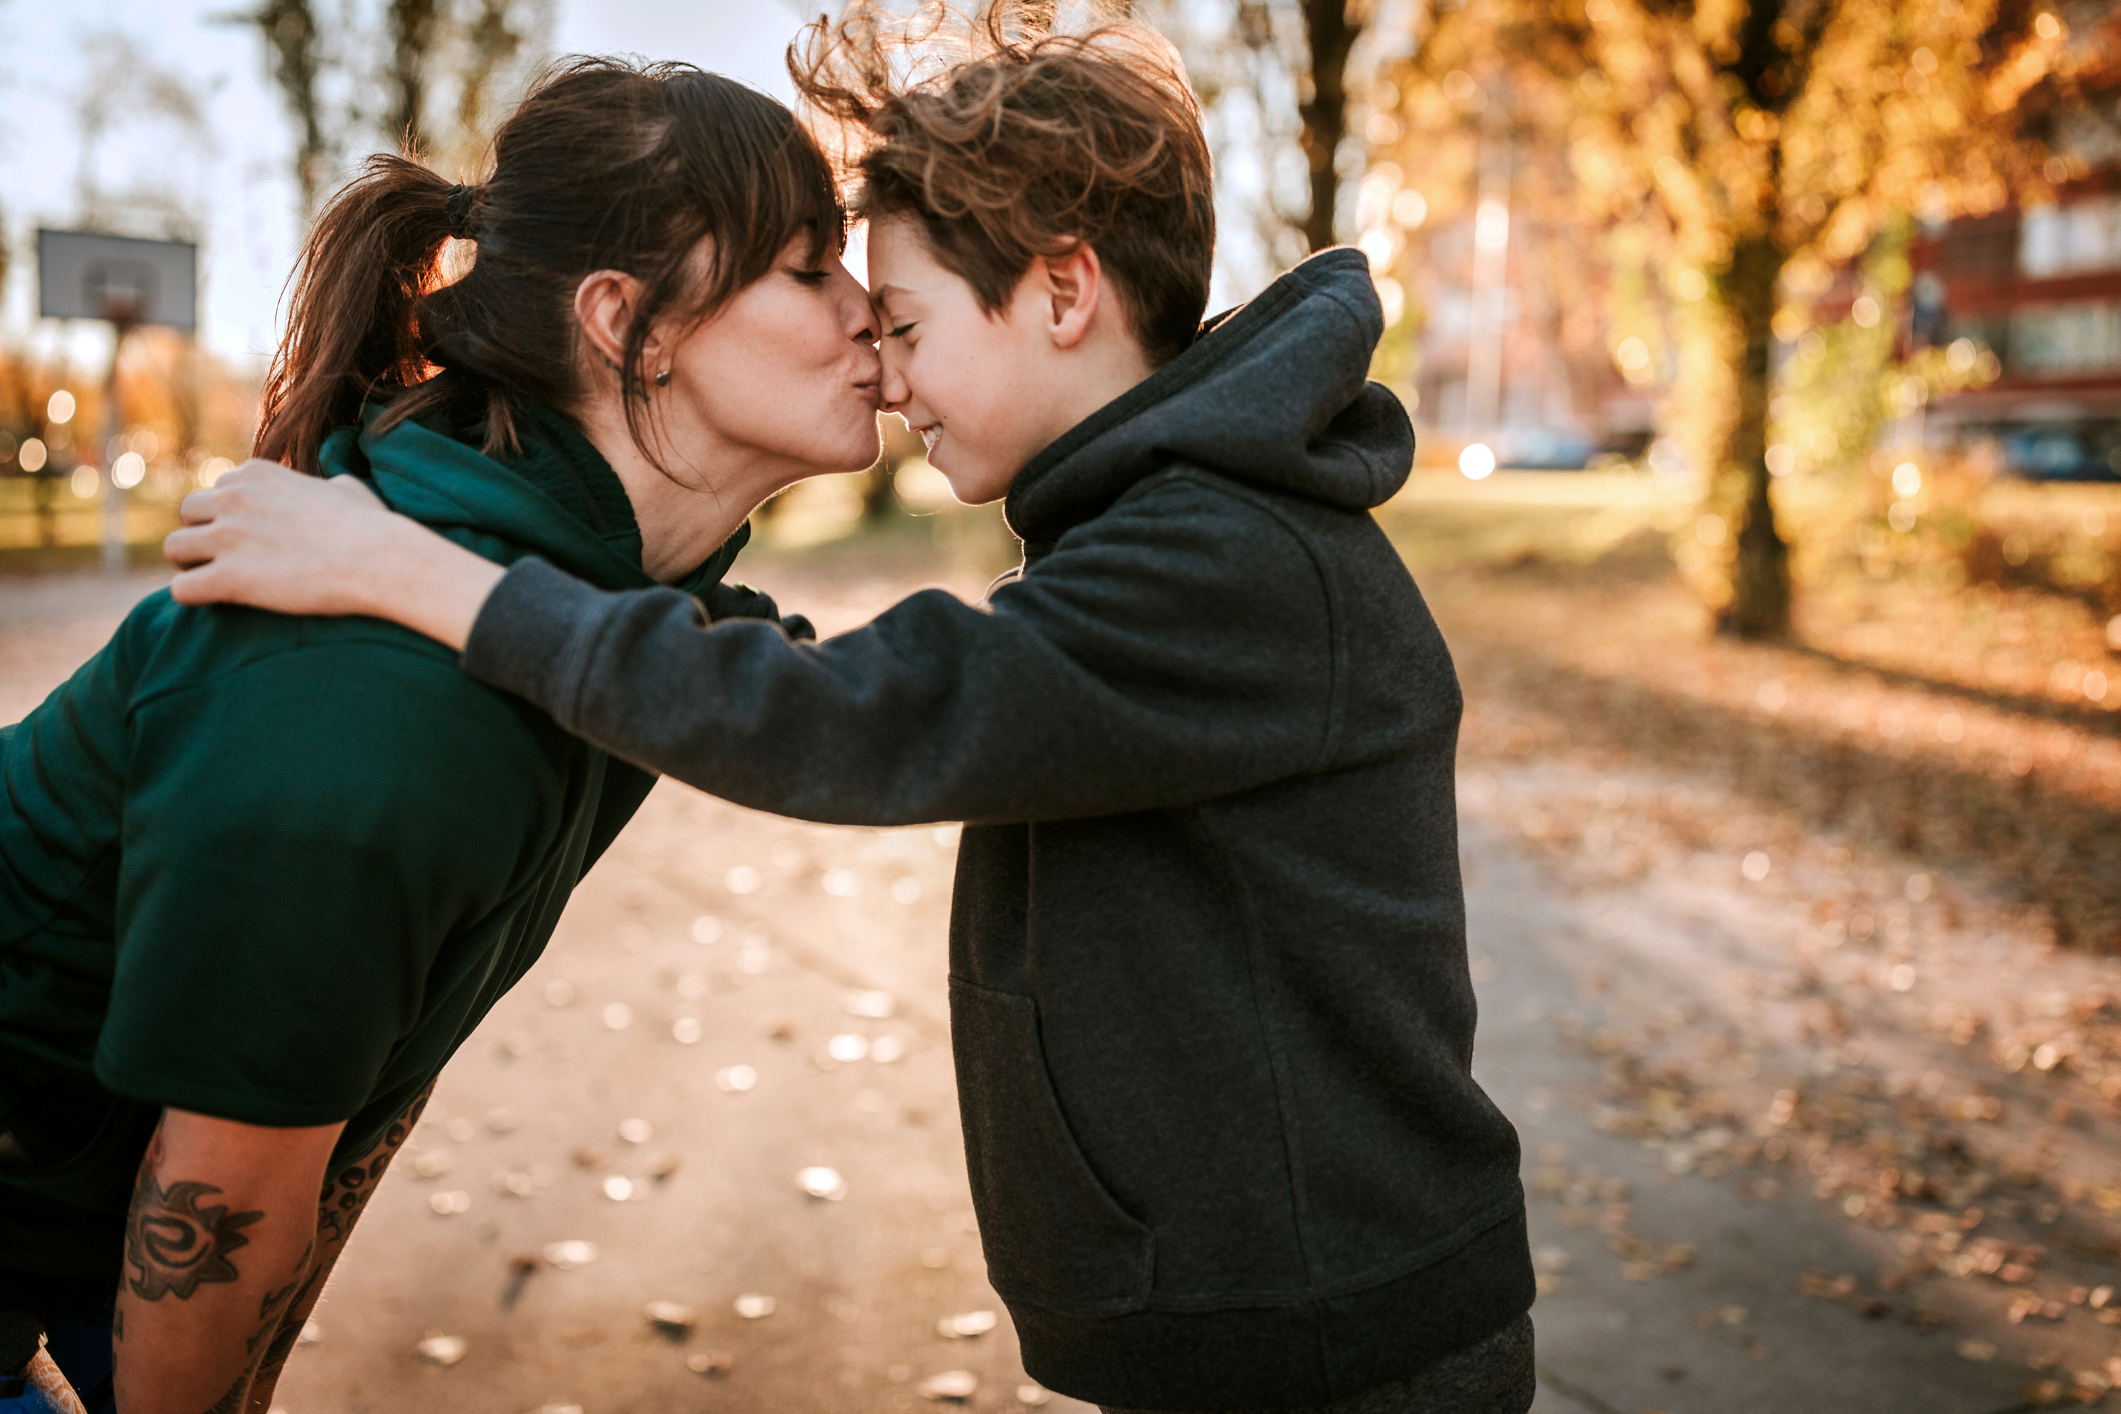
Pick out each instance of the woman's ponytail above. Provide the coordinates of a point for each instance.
(353, 318)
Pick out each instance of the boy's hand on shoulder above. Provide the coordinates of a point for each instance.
(275, 539)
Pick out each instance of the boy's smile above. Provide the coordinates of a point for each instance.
(987, 390)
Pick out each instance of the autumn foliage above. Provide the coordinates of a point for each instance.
(1761, 149)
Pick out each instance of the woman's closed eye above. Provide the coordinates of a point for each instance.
(900, 331)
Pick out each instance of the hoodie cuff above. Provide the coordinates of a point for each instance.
(731, 600)
(535, 635)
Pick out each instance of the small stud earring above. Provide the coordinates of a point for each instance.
(662, 380)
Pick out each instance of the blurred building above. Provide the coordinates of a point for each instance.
(2039, 290)
(2035, 293)
(1508, 359)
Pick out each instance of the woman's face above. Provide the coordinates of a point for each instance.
(779, 384)
(784, 375)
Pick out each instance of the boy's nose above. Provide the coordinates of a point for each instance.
(893, 390)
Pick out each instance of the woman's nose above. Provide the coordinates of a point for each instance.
(865, 327)
(857, 317)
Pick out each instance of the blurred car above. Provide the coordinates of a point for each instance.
(2063, 453)
(1545, 449)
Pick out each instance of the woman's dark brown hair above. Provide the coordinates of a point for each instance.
(604, 166)
(1010, 142)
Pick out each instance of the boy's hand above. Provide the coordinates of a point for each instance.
(275, 539)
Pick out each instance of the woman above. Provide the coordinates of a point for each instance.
(261, 876)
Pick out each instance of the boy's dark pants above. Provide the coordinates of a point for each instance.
(1492, 1377)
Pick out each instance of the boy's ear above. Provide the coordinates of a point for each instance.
(1075, 287)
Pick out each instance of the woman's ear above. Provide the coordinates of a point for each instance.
(603, 305)
(1075, 286)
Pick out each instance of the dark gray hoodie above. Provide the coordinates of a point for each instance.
(1209, 993)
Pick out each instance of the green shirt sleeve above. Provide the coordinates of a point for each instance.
(302, 835)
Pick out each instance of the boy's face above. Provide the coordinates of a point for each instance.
(969, 382)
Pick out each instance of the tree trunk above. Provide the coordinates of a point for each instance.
(291, 44)
(1330, 36)
(877, 489)
(1759, 606)
(46, 483)
(291, 30)
(412, 35)
(494, 43)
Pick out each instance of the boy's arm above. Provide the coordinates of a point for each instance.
(220, 1239)
(1177, 649)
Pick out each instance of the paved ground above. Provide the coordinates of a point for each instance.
(714, 938)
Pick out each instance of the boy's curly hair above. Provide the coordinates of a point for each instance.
(1011, 142)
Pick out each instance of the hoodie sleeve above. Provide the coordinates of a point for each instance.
(1176, 649)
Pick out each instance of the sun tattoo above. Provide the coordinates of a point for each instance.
(178, 1243)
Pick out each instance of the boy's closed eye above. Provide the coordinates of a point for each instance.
(892, 313)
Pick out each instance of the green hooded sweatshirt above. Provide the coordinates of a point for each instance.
(277, 869)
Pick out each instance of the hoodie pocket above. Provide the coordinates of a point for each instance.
(1052, 1234)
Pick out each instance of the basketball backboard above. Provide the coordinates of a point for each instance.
(86, 275)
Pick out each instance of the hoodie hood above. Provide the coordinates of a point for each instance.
(557, 498)
(1275, 393)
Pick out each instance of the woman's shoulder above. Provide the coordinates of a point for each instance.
(331, 672)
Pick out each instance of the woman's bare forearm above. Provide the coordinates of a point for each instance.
(220, 1240)
(347, 1189)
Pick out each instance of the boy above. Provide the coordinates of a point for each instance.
(1210, 1003)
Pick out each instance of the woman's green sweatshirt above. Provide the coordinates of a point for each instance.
(277, 869)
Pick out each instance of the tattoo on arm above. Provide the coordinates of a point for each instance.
(345, 1197)
(347, 1191)
(178, 1242)
(273, 1304)
(283, 1341)
(238, 1395)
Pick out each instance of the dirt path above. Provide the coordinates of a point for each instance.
(1646, 1007)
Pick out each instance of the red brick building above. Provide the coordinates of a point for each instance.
(2040, 290)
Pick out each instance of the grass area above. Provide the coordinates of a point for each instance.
(1974, 722)
(1441, 521)
(64, 519)
(80, 558)
(947, 544)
